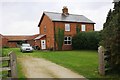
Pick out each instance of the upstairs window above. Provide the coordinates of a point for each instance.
(67, 27)
(83, 27)
(44, 28)
(67, 40)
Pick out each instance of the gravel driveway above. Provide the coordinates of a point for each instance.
(41, 68)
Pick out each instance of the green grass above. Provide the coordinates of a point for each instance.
(19, 72)
(82, 62)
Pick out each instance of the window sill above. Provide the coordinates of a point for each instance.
(67, 44)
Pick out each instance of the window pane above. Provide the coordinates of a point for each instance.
(65, 42)
(65, 38)
(69, 38)
(69, 42)
(83, 27)
(67, 27)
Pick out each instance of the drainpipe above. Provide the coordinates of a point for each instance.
(54, 37)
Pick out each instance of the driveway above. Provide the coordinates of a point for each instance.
(41, 68)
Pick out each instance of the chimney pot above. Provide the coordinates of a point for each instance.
(65, 10)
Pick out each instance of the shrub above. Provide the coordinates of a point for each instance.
(111, 38)
(59, 38)
(86, 40)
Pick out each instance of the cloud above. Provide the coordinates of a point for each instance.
(22, 16)
(55, 0)
(97, 15)
(22, 28)
(28, 0)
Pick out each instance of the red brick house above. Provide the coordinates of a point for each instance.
(50, 21)
(48, 25)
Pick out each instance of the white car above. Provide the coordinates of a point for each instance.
(26, 48)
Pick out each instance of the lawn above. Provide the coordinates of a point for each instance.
(81, 62)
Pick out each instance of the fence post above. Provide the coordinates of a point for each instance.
(13, 62)
(101, 67)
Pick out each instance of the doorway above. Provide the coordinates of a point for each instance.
(43, 44)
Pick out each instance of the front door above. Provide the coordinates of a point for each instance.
(43, 44)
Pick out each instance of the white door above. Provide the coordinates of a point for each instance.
(43, 44)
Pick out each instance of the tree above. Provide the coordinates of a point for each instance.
(111, 38)
(59, 38)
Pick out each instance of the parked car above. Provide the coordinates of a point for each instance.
(26, 48)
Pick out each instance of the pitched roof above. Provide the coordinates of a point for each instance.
(59, 17)
(40, 36)
(17, 38)
(20, 37)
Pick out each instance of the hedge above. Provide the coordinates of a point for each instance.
(86, 40)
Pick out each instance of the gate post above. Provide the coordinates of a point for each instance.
(13, 62)
(101, 67)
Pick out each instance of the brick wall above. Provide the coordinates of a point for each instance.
(31, 42)
(12, 44)
(3, 41)
(72, 32)
(49, 31)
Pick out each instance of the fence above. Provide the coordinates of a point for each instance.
(11, 68)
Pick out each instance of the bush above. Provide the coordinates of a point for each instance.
(86, 40)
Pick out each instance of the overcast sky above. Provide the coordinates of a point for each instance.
(21, 17)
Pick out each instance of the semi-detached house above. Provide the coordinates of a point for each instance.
(49, 23)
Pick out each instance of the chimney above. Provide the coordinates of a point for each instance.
(65, 10)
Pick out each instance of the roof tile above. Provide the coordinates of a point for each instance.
(67, 18)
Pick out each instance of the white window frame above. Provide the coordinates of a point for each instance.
(83, 27)
(67, 27)
(68, 40)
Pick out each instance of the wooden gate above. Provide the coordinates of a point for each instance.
(11, 67)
